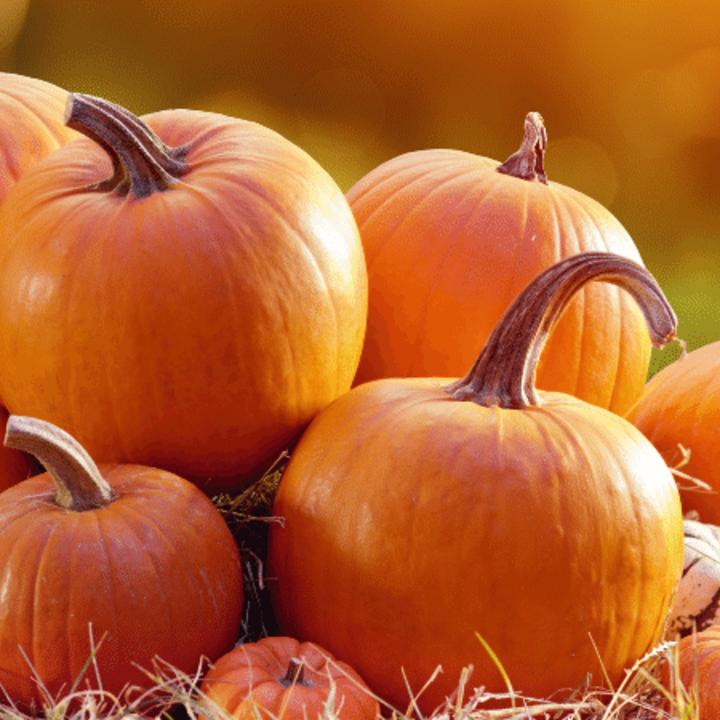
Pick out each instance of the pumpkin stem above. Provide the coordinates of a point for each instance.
(295, 674)
(142, 163)
(504, 373)
(78, 482)
(528, 163)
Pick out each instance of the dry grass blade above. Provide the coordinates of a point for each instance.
(175, 695)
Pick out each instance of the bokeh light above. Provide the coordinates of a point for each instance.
(630, 93)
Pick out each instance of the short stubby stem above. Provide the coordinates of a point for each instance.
(295, 674)
(528, 163)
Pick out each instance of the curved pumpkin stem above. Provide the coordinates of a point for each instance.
(79, 484)
(528, 163)
(504, 373)
(142, 163)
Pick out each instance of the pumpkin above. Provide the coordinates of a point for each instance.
(115, 564)
(697, 604)
(421, 513)
(15, 465)
(282, 679)
(201, 286)
(695, 673)
(33, 125)
(451, 238)
(679, 412)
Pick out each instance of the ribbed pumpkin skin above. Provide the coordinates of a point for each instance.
(249, 682)
(699, 670)
(413, 521)
(450, 242)
(198, 329)
(33, 125)
(680, 406)
(157, 570)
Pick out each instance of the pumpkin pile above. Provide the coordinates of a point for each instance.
(447, 353)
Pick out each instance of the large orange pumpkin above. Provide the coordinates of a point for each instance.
(279, 678)
(451, 238)
(200, 286)
(32, 125)
(421, 512)
(680, 411)
(121, 564)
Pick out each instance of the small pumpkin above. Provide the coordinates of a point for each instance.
(696, 665)
(680, 411)
(280, 678)
(421, 512)
(118, 564)
(697, 604)
(200, 277)
(33, 125)
(451, 238)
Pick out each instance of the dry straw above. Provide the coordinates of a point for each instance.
(175, 695)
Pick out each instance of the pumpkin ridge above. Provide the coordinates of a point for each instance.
(440, 165)
(32, 652)
(22, 102)
(110, 575)
(451, 249)
(512, 285)
(11, 163)
(618, 356)
(388, 236)
(160, 533)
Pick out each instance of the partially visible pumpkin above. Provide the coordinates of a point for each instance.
(279, 678)
(451, 238)
(697, 668)
(119, 565)
(697, 603)
(32, 125)
(420, 512)
(680, 409)
(200, 284)
(15, 465)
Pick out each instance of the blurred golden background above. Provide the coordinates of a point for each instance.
(629, 89)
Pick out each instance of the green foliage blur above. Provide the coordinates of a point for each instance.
(630, 93)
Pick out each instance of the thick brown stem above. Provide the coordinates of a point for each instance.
(79, 484)
(504, 373)
(528, 163)
(142, 163)
(295, 674)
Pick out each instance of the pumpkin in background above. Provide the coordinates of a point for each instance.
(201, 287)
(697, 603)
(280, 678)
(451, 238)
(697, 668)
(420, 512)
(32, 120)
(15, 465)
(136, 556)
(681, 407)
